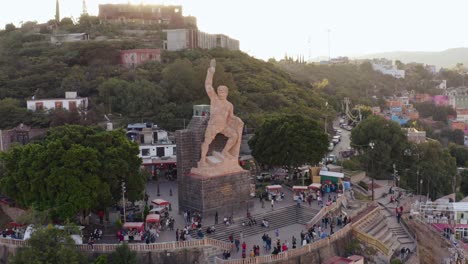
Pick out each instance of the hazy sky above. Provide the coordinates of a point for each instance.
(272, 28)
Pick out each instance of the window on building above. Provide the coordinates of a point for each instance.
(58, 105)
(72, 106)
(174, 150)
(160, 152)
(145, 152)
(39, 106)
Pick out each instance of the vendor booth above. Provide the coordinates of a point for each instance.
(133, 231)
(274, 192)
(297, 190)
(152, 220)
(315, 190)
(331, 181)
(160, 202)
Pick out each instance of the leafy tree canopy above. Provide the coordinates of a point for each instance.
(49, 245)
(289, 140)
(389, 142)
(123, 255)
(75, 169)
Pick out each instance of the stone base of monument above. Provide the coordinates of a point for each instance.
(217, 164)
(226, 194)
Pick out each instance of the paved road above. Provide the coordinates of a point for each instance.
(345, 140)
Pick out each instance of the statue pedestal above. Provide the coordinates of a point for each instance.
(216, 165)
(223, 193)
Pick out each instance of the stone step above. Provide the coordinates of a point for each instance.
(405, 240)
(277, 219)
(381, 226)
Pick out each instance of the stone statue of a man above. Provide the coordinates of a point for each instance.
(222, 120)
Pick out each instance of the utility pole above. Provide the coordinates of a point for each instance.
(329, 56)
(372, 145)
(123, 201)
(326, 114)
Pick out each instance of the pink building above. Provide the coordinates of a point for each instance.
(135, 57)
(441, 100)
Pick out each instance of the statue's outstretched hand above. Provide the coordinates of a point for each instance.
(212, 66)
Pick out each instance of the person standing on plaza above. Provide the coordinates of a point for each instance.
(216, 218)
(277, 232)
(237, 243)
(262, 201)
(244, 248)
(293, 242)
(272, 204)
(177, 234)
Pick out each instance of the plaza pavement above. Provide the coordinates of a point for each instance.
(285, 233)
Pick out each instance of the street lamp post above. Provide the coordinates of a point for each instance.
(123, 201)
(372, 145)
(420, 190)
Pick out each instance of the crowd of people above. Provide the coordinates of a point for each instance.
(14, 232)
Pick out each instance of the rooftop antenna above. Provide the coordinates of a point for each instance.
(329, 57)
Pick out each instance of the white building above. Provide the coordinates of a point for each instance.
(180, 39)
(154, 144)
(71, 102)
(74, 37)
(388, 70)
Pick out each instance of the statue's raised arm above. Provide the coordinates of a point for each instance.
(209, 79)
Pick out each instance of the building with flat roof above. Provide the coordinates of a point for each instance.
(181, 39)
(168, 15)
(71, 102)
(134, 57)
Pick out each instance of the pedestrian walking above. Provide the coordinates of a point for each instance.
(216, 218)
(277, 232)
(272, 204)
(177, 234)
(237, 243)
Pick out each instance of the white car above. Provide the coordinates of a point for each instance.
(331, 146)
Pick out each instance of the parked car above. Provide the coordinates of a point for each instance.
(330, 159)
(336, 140)
(264, 176)
(331, 146)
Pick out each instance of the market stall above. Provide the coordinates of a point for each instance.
(133, 231)
(297, 190)
(331, 181)
(274, 192)
(152, 221)
(315, 190)
(160, 202)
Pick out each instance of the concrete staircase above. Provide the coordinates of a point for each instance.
(278, 218)
(376, 225)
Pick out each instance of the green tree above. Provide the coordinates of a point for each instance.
(464, 182)
(49, 245)
(123, 255)
(75, 169)
(10, 27)
(289, 140)
(389, 143)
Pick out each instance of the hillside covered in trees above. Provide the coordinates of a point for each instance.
(361, 83)
(158, 92)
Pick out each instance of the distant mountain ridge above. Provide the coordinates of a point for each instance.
(447, 58)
